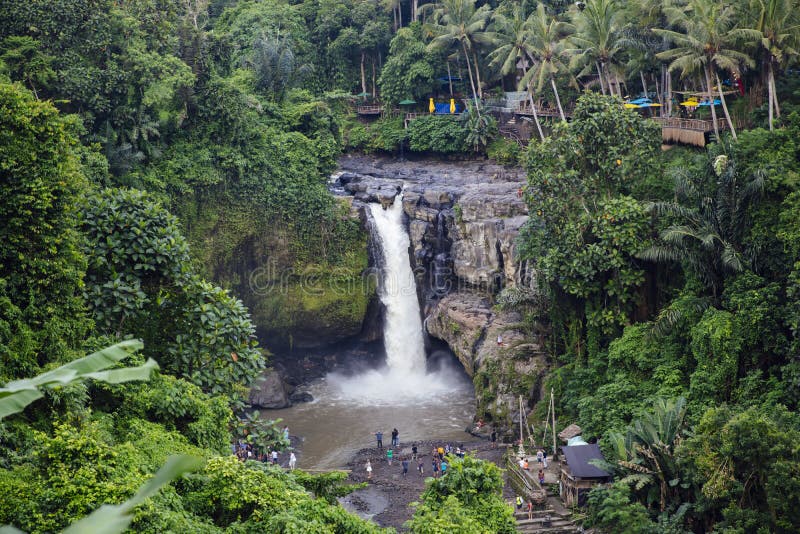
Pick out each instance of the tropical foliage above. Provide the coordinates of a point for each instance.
(155, 154)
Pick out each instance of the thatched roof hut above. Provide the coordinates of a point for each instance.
(570, 432)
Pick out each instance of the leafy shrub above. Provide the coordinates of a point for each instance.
(481, 129)
(388, 134)
(467, 499)
(504, 151)
(356, 136)
(434, 133)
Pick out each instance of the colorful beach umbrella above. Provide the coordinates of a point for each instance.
(432, 106)
(629, 105)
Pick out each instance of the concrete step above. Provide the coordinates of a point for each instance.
(538, 521)
(541, 513)
(549, 530)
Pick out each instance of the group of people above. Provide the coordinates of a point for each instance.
(247, 451)
(439, 463)
(541, 458)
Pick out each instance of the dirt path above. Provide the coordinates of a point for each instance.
(387, 497)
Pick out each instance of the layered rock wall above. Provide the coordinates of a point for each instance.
(463, 221)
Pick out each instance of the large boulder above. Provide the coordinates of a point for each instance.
(269, 391)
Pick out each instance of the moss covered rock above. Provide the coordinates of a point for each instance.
(298, 295)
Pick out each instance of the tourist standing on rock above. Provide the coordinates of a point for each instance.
(443, 468)
(414, 452)
(544, 458)
(395, 438)
(435, 467)
(493, 438)
(389, 455)
(369, 470)
(530, 509)
(519, 502)
(539, 455)
(405, 466)
(541, 477)
(286, 432)
(379, 438)
(275, 457)
(420, 466)
(292, 460)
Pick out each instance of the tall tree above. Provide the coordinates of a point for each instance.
(778, 23)
(547, 48)
(512, 42)
(41, 265)
(711, 219)
(461, 23)
(707, 38)
(597, 41)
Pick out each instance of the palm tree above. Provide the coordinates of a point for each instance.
(645, 454)
(597, 40)
(777, 21)
(459, 22)
(511, 37)
(547, 47)
(707, 39)
(643, 45)
(711, 214)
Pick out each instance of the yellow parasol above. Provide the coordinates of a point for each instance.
(452, 105)
(690, 103)
(431, 107)
(628, 105)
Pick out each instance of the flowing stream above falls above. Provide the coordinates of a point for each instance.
(423, 401)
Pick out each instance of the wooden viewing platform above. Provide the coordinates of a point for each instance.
(687, 131)
(369, 110)
(525, 109)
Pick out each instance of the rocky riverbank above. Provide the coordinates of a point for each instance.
(388, 496)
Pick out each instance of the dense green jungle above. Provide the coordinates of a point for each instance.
(153, 151)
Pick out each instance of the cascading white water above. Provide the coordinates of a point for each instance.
(348, 409)
(402, 330)
(404, 378)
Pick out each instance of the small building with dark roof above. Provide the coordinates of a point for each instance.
(578, 475)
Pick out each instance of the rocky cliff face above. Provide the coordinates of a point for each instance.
(463, 220)
(463, 216)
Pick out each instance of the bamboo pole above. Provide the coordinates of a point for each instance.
(553, 406)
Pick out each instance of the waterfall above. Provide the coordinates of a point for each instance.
(404, 381)
(402, 330)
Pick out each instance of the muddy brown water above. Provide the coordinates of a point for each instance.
(334, 426)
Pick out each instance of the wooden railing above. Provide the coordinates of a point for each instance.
(699, 125)
(524, 108)
(415, 115)
(369, 110)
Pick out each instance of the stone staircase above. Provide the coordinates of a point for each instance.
(547, 521)
(551, 517)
